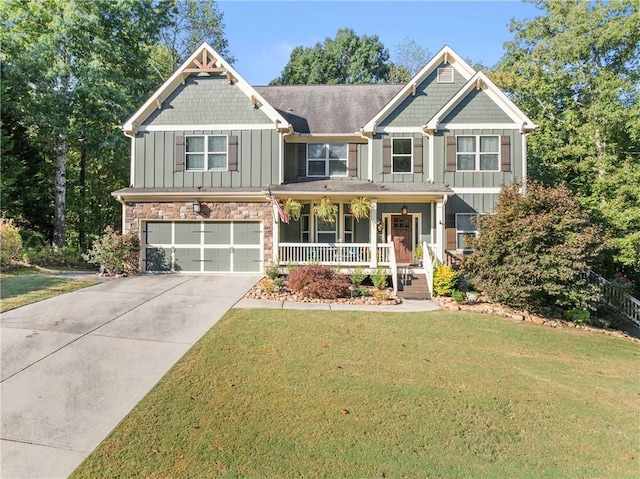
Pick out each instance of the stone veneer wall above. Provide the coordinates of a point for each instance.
(135, 213)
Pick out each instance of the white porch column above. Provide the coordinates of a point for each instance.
(440, 239)
(373, 233)
(276, 237)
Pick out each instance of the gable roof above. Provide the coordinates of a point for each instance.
(480, 81)
(445, 55)
(328, 109)
(204, 60)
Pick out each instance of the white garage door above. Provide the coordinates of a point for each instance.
(203, 246)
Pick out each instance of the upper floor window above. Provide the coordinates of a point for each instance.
(478, 153)
(327, 159)
(465, 229)
(401, 157)
(206, 152)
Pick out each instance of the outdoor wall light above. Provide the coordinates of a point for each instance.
(404, 210)
(196, 207)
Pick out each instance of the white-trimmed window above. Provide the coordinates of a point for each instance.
(401, 155)
(478, 153)
(327, 159)
(445, 75)
(348, 229)
(305, 232)
(465, 229)
(326, 232)
(206, 152)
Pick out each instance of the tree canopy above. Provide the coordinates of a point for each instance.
(347, 58)
(575, 70)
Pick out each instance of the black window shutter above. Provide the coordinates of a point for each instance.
(352, 163)
(417, 155)
(505, 153)
(179, 154)
(302, 159)
(232, 153)
(386, 155)
(451, 153)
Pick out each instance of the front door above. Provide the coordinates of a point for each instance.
(402, 237)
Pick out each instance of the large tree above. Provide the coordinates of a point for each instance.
(575, 70)
(347, 58)
(74, 69)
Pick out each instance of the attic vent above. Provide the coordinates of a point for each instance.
(445, 75)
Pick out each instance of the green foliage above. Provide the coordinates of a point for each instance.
(292, 208)
(357, 276)
(279, 282)
(534, 249)
(326, 210)
(348, 58)
(316, 281)
(459, 296)
(272, 270)
(10, 242)
(410, 56)
(116, 253)
(579, 316)
(445, 280)
(379, 278)
(360, 207)
(575, 71)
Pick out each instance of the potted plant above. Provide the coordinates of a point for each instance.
(360, 207)
(419, 253)
(292, 209)
(326, 210)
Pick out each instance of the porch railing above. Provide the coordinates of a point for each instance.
(622, 302)
(335, 254)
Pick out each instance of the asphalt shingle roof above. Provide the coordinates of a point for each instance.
(329, 109)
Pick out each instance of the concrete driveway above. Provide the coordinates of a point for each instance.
(73, 366)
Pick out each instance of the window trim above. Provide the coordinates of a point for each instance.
(334, 231)
(402, 155)
(474, 232)
(477, 153)
(327, 160)
(206, 153)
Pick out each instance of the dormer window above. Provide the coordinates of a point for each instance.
(327, 159)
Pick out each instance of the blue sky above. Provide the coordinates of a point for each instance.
(262, 34)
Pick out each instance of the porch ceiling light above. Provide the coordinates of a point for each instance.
(196, 206)
(404, 210)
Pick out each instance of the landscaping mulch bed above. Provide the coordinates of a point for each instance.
(384, 297)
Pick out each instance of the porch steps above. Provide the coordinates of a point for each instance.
(412, 285)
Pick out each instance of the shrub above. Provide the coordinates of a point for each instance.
(379, 278)
(316, 281)
(268, 285)
(279, 282)
(10, 242)
(445, 280)
(115, 253)
(272, 270)
(534, 250)
(357, 276)
(458, 296)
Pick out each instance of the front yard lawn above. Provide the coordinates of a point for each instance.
(278, 394)
(29, 285)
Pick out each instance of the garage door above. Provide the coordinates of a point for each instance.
(203, 246)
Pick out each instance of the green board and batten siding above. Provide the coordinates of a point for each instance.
(258, 153)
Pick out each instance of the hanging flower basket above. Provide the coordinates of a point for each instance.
(360, 207)
(292, 209)
(326, 210)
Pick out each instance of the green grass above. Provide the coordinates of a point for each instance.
(278, 394)
(28, 285)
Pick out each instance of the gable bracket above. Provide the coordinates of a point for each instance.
(159, 103)
(413, 89)
(255, 101)
(446, 57)
(479, 84)
(230, 77)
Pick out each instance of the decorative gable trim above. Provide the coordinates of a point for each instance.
(480, 81)
(446, 55)
(204, 60)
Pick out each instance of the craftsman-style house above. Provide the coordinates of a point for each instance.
(209, 153)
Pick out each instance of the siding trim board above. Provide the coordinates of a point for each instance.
(230, 126)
